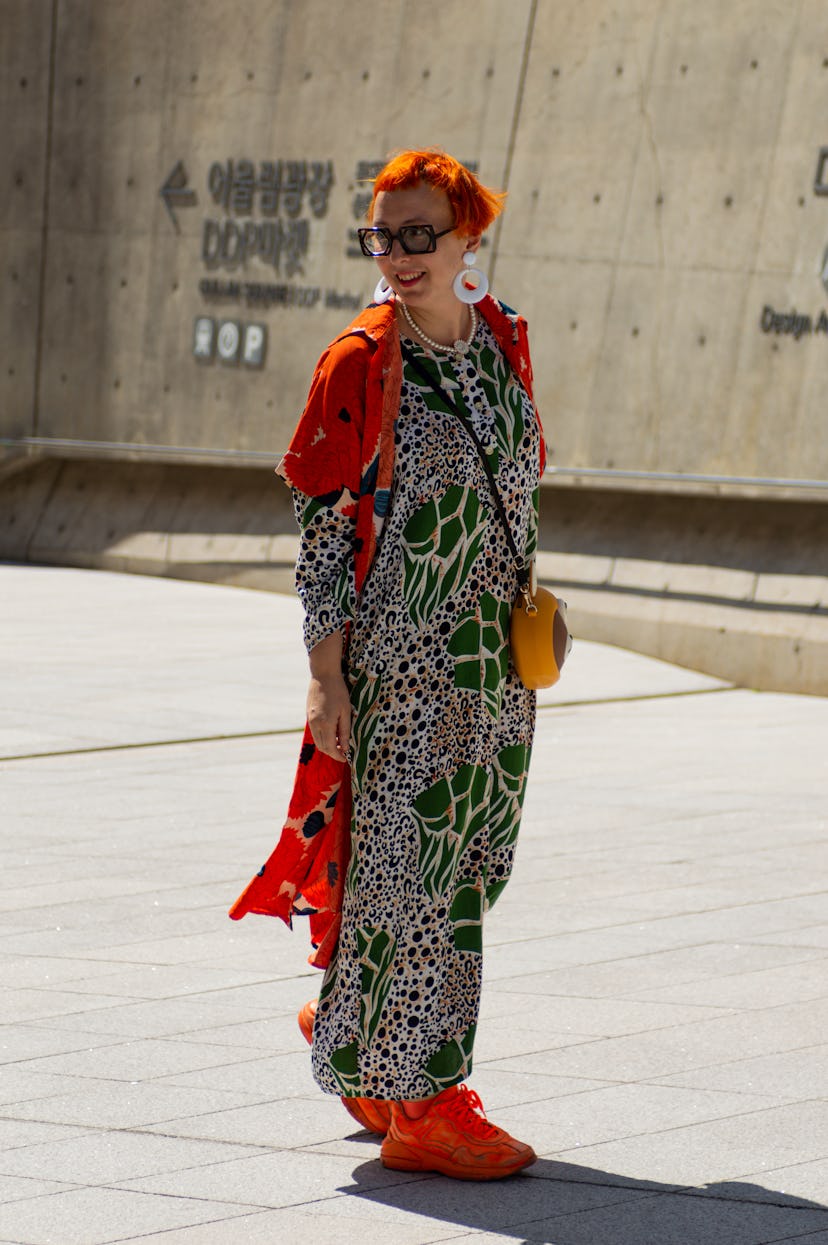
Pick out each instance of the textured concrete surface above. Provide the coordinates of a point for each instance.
(665, 178)
(656, 1003)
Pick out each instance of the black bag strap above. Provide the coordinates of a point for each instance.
(520, 564)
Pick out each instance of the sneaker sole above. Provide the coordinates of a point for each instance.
(402, 1158)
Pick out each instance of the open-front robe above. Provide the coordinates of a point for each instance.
(343, 452)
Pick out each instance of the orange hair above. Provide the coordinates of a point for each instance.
(473, 204)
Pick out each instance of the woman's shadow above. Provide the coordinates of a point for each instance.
(562, 1204)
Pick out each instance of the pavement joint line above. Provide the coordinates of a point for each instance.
(297, 730)
(628, 700)
(150, 743)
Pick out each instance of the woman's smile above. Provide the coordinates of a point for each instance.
(407, 279)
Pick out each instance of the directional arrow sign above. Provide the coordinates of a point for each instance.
(175, 193)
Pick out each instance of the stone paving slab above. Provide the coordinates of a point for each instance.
(656, 991)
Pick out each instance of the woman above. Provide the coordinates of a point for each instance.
(405, 814)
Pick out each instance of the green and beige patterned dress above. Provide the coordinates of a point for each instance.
(442, 730)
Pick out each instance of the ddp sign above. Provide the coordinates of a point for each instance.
(262, 215)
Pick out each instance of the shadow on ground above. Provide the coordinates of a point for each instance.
(562, 1204)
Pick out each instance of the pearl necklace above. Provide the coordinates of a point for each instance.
(458, 348)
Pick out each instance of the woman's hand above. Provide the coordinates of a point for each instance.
(329, 706)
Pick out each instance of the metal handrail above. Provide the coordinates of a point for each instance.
(685, 477)
(127, 449)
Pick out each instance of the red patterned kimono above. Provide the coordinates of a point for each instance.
(343, 450)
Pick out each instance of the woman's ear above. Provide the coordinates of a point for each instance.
(474, 242)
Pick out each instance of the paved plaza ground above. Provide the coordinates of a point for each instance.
(655, 1017)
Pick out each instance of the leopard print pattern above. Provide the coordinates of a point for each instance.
(441, 736)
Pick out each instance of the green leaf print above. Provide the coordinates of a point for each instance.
(343, 590)
(441, 543)
(448, 815)
(365, 692)
(467, 916)
(328, 981)
(531, 546)
(509, 770)
(452, 1063)
(377, 949)
(479, 646)
(352, 876)
(505, 394)
(345, 1068)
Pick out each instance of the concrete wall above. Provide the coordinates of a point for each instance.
(663, 195)
(666, 234)
(661, 160)
(140, 85)
(25, 93)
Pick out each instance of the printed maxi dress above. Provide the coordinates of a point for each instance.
(441, 732)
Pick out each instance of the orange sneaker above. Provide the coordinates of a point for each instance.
(453, 1138)
(306, 1017)
(371, 1113)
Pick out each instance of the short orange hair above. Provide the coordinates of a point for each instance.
(473, 204)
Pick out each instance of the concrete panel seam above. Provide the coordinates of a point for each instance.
(510, 149)
(644, 109)
(782, 98)
(622, 233)
(747, 291)
(44, 223)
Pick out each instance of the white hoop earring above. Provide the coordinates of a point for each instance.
(471, 284)
(383, 291)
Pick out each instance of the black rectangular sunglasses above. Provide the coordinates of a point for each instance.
(414, 239)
